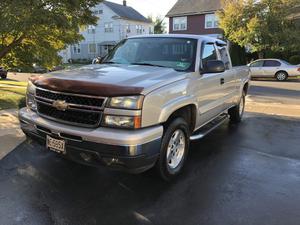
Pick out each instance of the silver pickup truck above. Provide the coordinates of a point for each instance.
(141, 106)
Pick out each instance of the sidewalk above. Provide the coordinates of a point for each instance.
(10, 133)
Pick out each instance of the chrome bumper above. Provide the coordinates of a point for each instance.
(129, 150)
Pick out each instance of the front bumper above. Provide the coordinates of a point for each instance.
(133, 151)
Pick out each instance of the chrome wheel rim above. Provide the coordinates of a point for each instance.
(176, 149)
(242, 106)
(281, 76)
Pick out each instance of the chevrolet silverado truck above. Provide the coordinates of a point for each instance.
(139, 108)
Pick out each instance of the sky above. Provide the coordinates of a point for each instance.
(150, 7)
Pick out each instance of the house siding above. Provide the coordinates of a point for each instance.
(195, 25)
(100, 36)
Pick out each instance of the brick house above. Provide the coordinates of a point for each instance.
(195, 17)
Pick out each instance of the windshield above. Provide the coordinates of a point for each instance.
(176, 53)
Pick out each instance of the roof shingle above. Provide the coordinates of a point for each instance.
(193, 7)
(126, 12)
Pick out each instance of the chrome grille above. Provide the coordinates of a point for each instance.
(82, 110)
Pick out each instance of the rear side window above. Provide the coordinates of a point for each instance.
(271, 63)
(224, 56)
(209, 53)
(257, 64)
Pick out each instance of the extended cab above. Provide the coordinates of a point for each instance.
(141, 106)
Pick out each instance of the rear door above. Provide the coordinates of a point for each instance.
(229, 77)
(270, 67)
(256, 68)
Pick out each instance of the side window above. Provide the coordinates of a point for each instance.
(209, 53)
(271, 63)
(224, 56)
(257, 64)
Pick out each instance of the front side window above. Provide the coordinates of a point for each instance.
(271, 63)
(209, 53)
(257, 64)
(176, 53)
(211, 21)
(180, 23)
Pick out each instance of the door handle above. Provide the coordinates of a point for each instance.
(222, 81)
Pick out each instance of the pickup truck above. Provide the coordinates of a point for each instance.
(140, 108)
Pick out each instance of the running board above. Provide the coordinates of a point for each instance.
(206, 129)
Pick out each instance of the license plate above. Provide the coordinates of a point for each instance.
(56, 145)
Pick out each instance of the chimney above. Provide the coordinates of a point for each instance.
(124, 3)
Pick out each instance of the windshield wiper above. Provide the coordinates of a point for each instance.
(148, 64)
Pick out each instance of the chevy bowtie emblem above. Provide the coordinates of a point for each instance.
(60, 105)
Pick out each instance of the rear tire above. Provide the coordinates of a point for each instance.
(236, 113)
(174, 149)
(4, 76)
(281, 76)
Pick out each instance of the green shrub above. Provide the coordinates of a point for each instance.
(295, 59)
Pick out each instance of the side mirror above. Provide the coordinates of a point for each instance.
(213, 66)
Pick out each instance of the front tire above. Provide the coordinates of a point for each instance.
(236, 113)
(281, 76)
(174, 149)
(4, 76)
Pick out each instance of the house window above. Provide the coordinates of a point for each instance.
(108, 27)
(91, 29)
(211, 21)
(150, 30)
(92, 48)
(128, 28)
(77, 49)
(139, 29)
(180, 23)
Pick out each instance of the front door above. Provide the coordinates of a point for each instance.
(256, 68)
(210, 91)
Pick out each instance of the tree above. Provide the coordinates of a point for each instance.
(34, 31)
(260, 25)
(159, 25)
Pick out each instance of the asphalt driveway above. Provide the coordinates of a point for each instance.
(246, 174)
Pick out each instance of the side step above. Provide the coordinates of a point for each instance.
(206, 129)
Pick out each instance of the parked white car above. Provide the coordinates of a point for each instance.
(279, 69)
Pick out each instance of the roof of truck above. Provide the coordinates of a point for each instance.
(191, 36)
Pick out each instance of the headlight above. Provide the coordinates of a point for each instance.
(133, 122)
(30, 97)
(129, 102)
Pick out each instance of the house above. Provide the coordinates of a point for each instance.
(195, 17)
(116, 22)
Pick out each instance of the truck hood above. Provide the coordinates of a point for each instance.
(108, 80)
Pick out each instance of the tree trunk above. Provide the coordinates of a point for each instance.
(6, 49)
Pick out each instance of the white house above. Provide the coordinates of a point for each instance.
(116, 22)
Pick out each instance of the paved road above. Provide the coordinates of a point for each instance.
(273, 91)
(245, 174)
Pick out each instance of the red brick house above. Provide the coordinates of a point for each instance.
(195, 17)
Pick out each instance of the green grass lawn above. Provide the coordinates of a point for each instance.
(12, 94)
